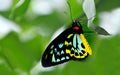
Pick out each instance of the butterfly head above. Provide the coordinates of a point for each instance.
(77, 28)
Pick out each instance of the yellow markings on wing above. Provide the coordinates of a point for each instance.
(66, 43)
(85, 43)
(83, 56)
(78, 56)
(69, 36)
(68, 51)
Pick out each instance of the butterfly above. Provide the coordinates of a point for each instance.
(69, 45)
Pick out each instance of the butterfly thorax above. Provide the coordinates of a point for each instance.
(77, 28)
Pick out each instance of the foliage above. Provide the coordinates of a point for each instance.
(18, 55)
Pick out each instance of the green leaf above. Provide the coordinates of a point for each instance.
(15, 53)
(17, 13)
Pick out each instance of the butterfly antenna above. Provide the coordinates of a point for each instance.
(70, 11)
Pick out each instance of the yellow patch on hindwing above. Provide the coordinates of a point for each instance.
(85, 43)
(72, 51)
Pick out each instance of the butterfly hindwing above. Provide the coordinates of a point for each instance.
(70, 44)
(78, 48)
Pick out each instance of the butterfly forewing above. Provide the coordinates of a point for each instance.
(55, 52)
(70, 44)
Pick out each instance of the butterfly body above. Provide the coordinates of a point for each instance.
(69, 45)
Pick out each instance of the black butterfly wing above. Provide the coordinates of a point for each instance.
(70, 44)
(55, 52)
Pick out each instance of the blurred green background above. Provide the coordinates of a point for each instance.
(26, 28)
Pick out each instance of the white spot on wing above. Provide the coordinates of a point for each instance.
(53, 58)
(74, 41)
(63, 58)
(79, 43)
